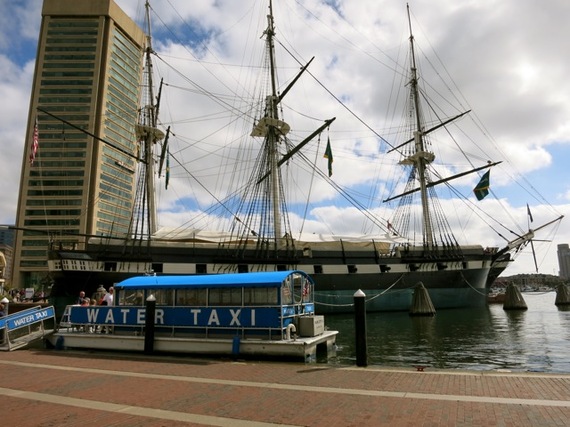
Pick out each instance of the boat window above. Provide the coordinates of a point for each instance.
(260, 296)
(131, 297)
(162, 296)
(318, 269)
(201, 269)
(191, 297)
(225, 296)
(301, 289)
(287, 292)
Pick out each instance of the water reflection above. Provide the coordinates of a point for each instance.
(484, 338)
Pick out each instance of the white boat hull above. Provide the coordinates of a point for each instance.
(304, 348)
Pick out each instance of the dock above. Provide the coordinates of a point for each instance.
(69, 388)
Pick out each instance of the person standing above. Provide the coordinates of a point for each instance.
(99, 294)
(80, 298)
(108, 298)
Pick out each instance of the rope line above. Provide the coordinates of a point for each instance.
(471, 286)
(369, 299)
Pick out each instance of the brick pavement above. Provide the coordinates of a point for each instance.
(54, 388)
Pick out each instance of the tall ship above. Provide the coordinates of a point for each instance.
(262, 232)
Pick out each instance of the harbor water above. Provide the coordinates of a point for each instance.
(485, 338)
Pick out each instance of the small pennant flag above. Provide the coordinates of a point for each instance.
(167, 170)
(482, 189)
(529, 214)
(329, 155)
(35, 143)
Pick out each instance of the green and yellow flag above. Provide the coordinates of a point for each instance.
(482, 189)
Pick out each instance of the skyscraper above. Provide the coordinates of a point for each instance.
(78, 165)
(564, 260)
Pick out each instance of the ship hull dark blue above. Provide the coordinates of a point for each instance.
(453, 280)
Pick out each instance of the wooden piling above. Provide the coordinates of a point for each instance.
(360, 328)
(149, 324)
(514, 299)
(421, 302)
(562, 295)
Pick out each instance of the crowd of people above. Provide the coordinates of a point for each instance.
(100, 297)
(19, 295)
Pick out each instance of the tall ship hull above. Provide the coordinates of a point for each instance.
(339, 269)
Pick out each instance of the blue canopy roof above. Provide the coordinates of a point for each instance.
(260, 279)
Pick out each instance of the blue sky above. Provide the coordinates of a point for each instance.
(506, 58)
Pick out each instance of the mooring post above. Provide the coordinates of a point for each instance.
(149, 324)
(421, 302)
(562, 295)
(514, 299)
(360, 326)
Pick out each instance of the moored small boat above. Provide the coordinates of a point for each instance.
(253, 315)
(496, 298)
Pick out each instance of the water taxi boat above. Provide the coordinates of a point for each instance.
(266, 314)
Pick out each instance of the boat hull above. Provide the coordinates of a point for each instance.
(389, 292)
(388, 280)
(300, 349)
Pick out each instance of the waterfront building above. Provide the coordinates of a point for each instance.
(6, 255)
(564, 260)
(87, 75)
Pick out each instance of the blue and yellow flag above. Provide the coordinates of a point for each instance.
(482, 189)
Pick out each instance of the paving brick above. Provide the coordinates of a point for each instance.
(64, 388)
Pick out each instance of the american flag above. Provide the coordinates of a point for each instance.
(35, 143)
(306, 288)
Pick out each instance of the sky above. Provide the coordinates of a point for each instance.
(506, 58)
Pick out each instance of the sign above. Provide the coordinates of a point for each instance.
(231, 317)
(27, 317)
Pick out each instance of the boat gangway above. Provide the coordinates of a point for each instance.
(19, 329)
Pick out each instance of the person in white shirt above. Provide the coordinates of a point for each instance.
(108, 298)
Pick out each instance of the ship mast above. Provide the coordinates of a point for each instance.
(266, 215)
(271, 128)
(421, 158)
(145, 221)
(273, 138)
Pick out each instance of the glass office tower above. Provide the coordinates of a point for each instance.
(79, 179)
